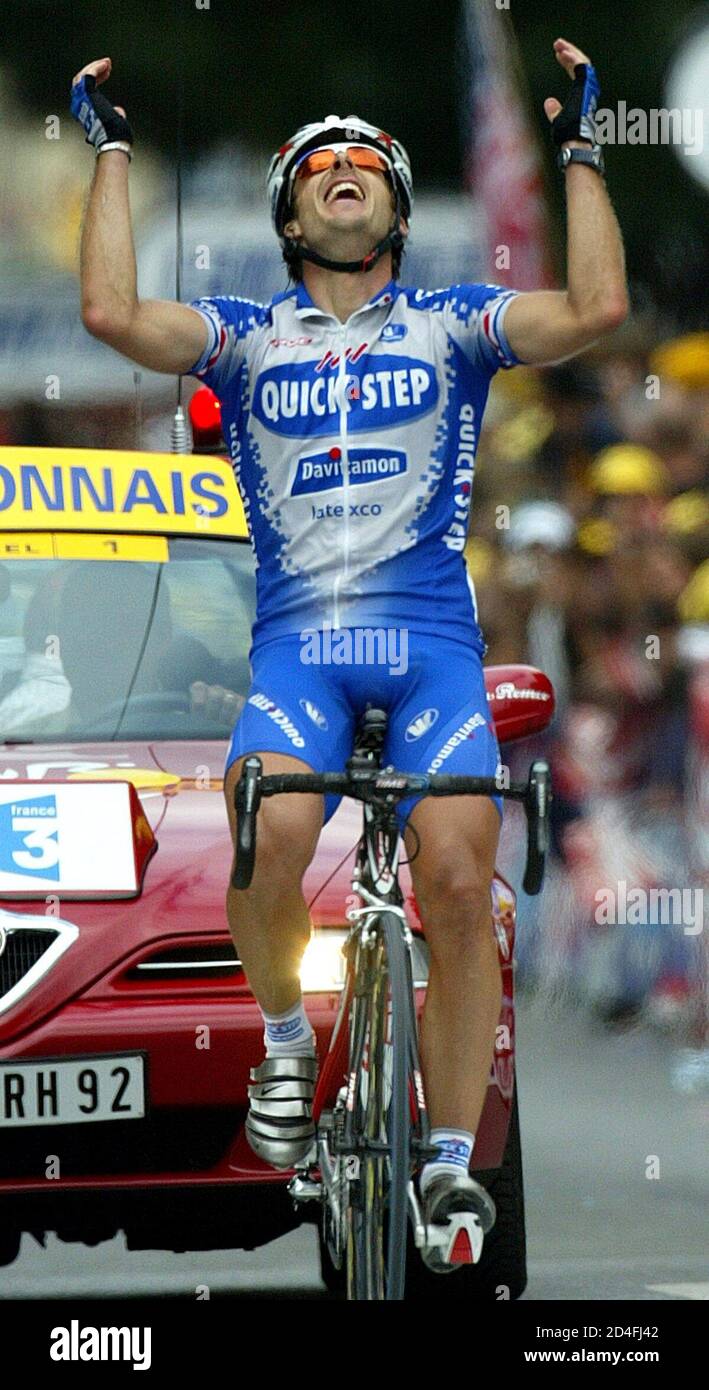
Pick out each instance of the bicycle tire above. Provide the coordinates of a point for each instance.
(399, 1114)
(378, 1200)
(355, 1256)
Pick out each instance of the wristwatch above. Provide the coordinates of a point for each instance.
(115, 145)
(573, 155)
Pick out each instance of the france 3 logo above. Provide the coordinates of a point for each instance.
(29, 839)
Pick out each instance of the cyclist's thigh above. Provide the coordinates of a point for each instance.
(288, 826)
(296, 713)
(452, 844)
(441, 724)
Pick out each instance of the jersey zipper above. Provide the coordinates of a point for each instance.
(343, 574)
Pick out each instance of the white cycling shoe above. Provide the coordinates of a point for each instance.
(279, 1125)
(457, 1213)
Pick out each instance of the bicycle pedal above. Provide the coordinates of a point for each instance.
(451, 1244)
(459, 1241)
(466, 1246)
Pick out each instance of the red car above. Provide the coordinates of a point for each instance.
(127, 1027)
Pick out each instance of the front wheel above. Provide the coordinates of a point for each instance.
(377, 1207)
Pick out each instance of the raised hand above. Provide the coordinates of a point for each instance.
(105, 124)
(574, 120)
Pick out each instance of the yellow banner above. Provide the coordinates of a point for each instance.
(70, 546)
(67, 545)
(109, 490)
(20, 545)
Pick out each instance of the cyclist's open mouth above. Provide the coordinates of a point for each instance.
(345, 191)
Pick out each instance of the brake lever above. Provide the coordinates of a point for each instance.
(247, 800)
(537, 803)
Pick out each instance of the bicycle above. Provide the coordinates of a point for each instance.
(370, 1143)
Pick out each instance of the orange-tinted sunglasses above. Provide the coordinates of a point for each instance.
(360, 155)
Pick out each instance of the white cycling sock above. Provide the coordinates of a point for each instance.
(289, 1034)
(455, 1147)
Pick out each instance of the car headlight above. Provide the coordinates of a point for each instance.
(323, 967)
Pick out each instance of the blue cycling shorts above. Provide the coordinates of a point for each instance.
(306, 700)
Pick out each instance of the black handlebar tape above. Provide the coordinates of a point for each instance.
(246, 800)
(448, 784)
(537, 808)
(343, 784)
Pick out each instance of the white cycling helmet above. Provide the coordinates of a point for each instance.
(339, 130)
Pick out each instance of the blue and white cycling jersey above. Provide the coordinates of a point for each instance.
(354, 450)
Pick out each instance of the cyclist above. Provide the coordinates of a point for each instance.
(352, 409)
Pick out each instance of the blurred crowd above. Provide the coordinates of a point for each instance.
(589, 549)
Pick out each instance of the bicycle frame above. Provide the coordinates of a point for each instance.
(375, 881)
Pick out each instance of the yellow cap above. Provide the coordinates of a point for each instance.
(693, 602)
(597, 536)
(685, 360)
(628, 469)
(518, 438)
(687, 513)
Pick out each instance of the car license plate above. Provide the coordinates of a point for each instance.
(70, 1091)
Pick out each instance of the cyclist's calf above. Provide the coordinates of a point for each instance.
(269, 921)
(451, 878)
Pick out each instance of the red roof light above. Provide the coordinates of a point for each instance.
(205, 416)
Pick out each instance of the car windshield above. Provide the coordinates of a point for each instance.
(94, 649)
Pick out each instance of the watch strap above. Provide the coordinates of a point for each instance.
(115, 145)
(593, 156)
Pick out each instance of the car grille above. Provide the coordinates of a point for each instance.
(186, 1140)
(23, 950)
(29, 947)
(189, 962)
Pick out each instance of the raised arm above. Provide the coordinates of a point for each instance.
(157, 333)
(548, 325)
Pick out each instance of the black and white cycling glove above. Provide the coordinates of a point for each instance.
(575, 120)
(105, 127)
